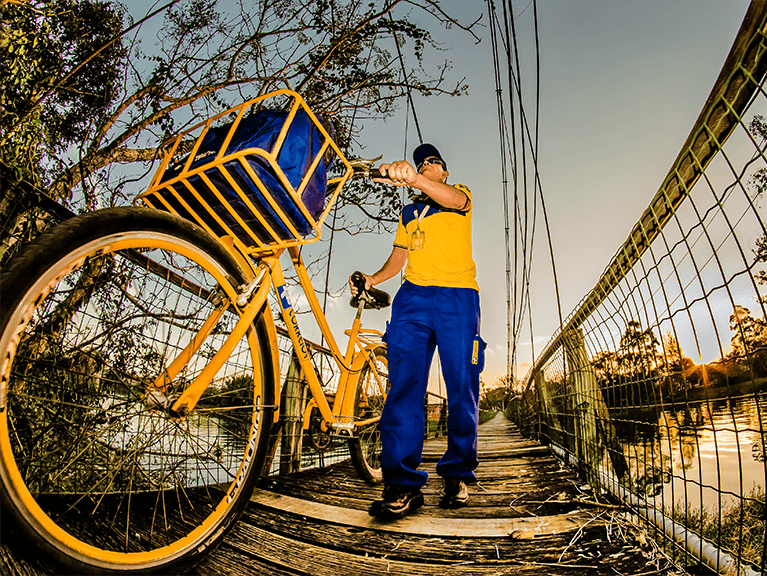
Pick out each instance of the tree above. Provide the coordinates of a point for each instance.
(638, 352)
(50, 91)
(636, 361)
(760, 256)
(758, 128)
(209, 56)
(605, 366)
(749, 340)
(675, 363)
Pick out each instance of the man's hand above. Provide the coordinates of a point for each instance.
(368, 284)
(432, 182)
(399, 173)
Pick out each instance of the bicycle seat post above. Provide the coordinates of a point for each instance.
(361, 305)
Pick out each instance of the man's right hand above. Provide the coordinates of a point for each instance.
(398, 173)
(368, 284)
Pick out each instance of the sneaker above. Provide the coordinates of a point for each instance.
(396, 502)
(454, 493)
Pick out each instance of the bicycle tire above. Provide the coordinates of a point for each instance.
(365, 446)
(98, 480)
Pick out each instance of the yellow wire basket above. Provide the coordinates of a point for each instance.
(260, 179)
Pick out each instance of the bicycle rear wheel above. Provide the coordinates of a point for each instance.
(365, 446)
(93, 473)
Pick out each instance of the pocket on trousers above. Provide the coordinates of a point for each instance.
(478, 355)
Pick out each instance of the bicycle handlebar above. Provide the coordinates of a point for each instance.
(366, 171)
(360, 170)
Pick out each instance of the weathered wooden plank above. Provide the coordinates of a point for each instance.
(617, 551)
(483, 502)
(11, 563)
(419, 548)
(492, 479)
(523, 528)
(306, 558)
(499, 451)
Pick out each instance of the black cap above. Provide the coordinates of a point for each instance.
(425, 151)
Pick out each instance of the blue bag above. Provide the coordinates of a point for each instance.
(260, 130)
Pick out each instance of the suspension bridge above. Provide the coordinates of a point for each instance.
(625, 452)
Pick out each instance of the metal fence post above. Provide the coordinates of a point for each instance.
(584, 399)
(594, 429)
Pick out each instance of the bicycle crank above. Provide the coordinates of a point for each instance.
(319, 438)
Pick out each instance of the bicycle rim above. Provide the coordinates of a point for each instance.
(106, 478)
(365, 447)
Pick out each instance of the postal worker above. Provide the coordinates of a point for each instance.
(436, 306)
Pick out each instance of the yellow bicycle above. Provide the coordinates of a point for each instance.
(139, 374)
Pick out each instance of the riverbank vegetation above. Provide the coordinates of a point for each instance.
(738, 529)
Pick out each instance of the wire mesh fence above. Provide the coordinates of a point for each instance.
(655, 386)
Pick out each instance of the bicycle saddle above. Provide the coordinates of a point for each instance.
(374, 299)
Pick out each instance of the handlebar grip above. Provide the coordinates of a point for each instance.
(375, 173)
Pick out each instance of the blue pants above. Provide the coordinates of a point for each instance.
(424, 317)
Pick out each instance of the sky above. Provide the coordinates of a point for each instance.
(621, 86)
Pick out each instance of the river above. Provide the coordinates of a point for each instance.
(709, 452)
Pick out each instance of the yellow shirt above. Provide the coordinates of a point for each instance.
(445, 256)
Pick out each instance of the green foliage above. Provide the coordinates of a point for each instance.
(515, 411)
(495, 399)
(760, 256)
(56, 411)
(638, 352)
(633, 373)
(236, 391)
(52, 91)
(486, 415)
(758, 127)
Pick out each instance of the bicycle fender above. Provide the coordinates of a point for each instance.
(308, 412)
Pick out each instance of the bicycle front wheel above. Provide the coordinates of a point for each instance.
(372, 388)
(94, 471)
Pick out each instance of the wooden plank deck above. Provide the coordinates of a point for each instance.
(526, 515)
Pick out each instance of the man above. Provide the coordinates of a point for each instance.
(437, 305)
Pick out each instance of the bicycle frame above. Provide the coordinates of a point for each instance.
(357, 355)
(268, 273)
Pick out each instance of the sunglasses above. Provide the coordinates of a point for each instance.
(431, 161)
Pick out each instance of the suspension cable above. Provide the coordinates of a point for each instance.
(407, 83)
(525, 216)
(504, 176)
(335, 208)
